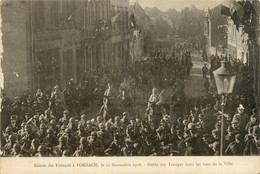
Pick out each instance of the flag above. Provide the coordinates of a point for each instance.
(237, 13)
(237, 9)
(132, 21)
(225, 11)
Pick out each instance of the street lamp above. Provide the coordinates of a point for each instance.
(225, 79)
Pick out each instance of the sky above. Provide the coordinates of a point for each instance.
(165, 5)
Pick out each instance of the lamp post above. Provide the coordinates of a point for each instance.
(225, 79)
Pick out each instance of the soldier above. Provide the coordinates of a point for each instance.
(51, 140)
(251, 123)
(96, 144)
(65, 119)
(83, 120)
(58, 150)
(17, 149)
(42, 132)
(190, 151)
(236, 147)
(104, 135)
(127, 149)
(205, 70)
(155, 98)
(216, 148)
(34, 146)
(83, 149)
(72, 140)
(252, 145)
(42, 152)
(241, 117)
(72, 124)
(115, 146)
(8, 147)
(58, 96)
(13, 123)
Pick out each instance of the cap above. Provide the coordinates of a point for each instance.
(241, 107)
(83, 116)
(191, 126)
(65, 112)
(125, 113)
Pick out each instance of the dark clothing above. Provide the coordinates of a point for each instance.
(251, 148)
(189, 151)
(234, 149)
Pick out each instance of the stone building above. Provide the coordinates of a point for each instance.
(47, 42)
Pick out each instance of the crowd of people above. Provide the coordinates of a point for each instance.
(51, 122)
(39, 130)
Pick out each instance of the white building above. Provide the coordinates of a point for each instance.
(237, 42)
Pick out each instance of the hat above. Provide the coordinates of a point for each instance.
(241, 107)
(56, 87)
(191, 126)
(65, 112)
(125, 113)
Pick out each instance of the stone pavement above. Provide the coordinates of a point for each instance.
(194, 85)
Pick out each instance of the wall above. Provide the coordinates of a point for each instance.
(15, 40)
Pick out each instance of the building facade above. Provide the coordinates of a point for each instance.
(47, 42)
(237, 46)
